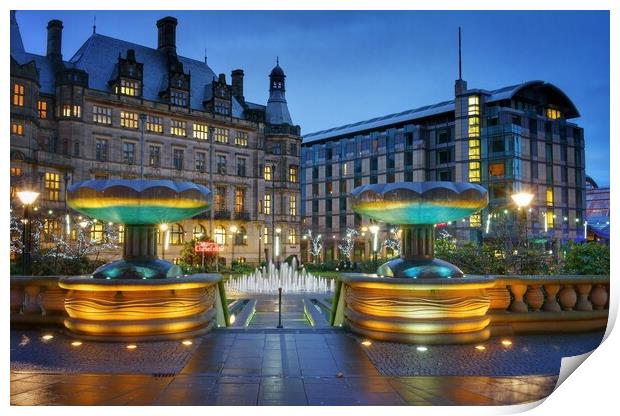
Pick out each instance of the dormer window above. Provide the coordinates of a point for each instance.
(178, 98)
(128, 87)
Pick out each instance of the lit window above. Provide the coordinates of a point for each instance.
(154, 124)
(475, 220)
(177, 159)
(52, 186)
(267, 173)
(129, 120)
(292, 205)
(239, 200)
(77, 111)
(178, 98)
(18, 95)
(201, 131)
(198, 232)
(241, 139)
(474, 171)
(102, 115)
(549, 218)
(292, 236)
(497, 170)
(177, 236)
(549, 196)
(553, 114)
(42, 107)
(128, 87)
(220, 235)
(15, 171)
(154, 156)
(97, 232)
(121, 234)
(265, 235)
(66, 110)
(17, 127)
(474, 148)
(220, 135)
(292, 174)
(473, 105)
(267, 204)
(51, 228)
(178, 128)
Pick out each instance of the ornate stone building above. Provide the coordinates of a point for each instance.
(83, 118)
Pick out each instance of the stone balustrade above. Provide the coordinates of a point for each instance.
(548, 304)
(37, 300)
(471, 308)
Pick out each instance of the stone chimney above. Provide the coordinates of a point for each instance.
(166, 34)
(222, 78)
(237, 85)
(54, 40)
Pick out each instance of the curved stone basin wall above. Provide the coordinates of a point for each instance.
(469, 309)
(118, 310)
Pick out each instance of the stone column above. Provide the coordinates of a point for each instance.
(418, 241)
(140, 242)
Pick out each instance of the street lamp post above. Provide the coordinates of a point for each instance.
(27, 198)
(260, 238)
(276, 245)
(374, 229)
(273, 212)
(523, 200)
(233, 231)
(142, 123)
(164, 232)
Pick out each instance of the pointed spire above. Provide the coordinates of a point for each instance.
(94, 24)
(205, 56)
(277, 60)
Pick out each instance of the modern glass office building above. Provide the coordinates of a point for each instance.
(513, 139)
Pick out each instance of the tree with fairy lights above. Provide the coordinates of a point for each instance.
(316, 246)
(347, 245)
(393, 242)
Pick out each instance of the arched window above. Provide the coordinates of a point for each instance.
(199, 232)
(241, 238)
(176, 234)
(220, 235)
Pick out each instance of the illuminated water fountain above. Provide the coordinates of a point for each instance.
(288, 277)
(417, 207)
(141, 296)
(416, 298)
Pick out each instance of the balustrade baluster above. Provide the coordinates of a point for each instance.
(567, 297)
(551, 303)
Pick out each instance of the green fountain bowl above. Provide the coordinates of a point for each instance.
(419, 202)
(138, 201)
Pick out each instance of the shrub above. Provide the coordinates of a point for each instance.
(586, 258)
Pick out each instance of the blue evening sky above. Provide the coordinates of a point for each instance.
(348, 66)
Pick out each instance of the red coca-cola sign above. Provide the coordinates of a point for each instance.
(207, 247)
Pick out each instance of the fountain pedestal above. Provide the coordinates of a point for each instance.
(139, 257)
(417, 256)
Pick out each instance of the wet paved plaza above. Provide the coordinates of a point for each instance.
(297, 365)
